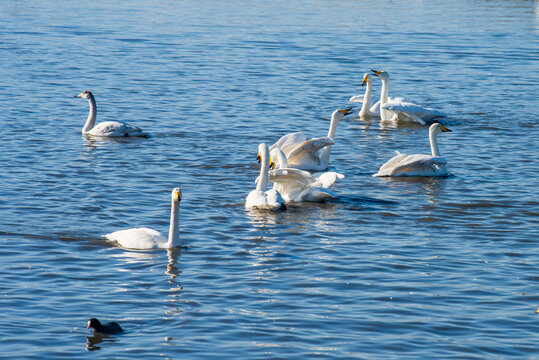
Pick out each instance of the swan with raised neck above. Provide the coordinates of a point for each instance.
(146, 238)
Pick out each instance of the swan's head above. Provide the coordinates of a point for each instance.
(383, 75)
(263, 153)
(436, 129)
(278, 156)
(176, 195)
(339, 114)
(86, 94)
(366, 79)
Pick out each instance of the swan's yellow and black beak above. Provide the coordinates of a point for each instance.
(376, 72)
(365, 78)
(77, 96)
(178, 195)
(346, 111)
(272, 165)
(444, 129)
(259, 158)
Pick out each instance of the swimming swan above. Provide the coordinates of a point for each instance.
(106, 128)
(145, 238)
(303, 154)
(260, 198)
(418, 164)
(367, 109)
(400, 109)
(299, 185)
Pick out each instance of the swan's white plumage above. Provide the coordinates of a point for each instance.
(304, 154)
(138, 238)
(400, 109)
(299, 185)
(367, 108)
(418, 164)
(260, 198)
(106, 128)
(146, 238)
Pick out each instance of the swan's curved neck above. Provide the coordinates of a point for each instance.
(90, 122)
(365, 107)
(433, 144)
(173, 231)
(264, 168)
(281, 159)
(384, 114)
(324, 155)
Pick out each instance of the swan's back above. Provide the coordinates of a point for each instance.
(399, 105)
(414, 165)
(138, 238)
(115, 129)
(265, 200)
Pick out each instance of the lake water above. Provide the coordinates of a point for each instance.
(396, 269)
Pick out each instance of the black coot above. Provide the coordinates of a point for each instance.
(108, 328)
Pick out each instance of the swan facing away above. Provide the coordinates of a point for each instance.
(106, 128)
(400, 109)
(367, 109)
(418, 164)
(260, 198)
(304, 154)
(145, 238)
(299, 185)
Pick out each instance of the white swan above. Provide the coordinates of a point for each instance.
(418, 164)
(145, 238)
(106, 128)
(299, 185)
(367, 109)
(260, 198)
(303, 154)
(400, 109)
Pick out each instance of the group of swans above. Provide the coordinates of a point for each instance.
(391, 109)
(288, 161)
(292, 181)
(296, 154)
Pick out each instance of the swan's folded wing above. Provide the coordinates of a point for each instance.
(418, 165)
(289, 142)
(275, 200)
(308, 150)
(412, 109)
(290, 175)
(318, 194)
(390, 164)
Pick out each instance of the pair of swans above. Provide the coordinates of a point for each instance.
(392, 109)
(305, 154)
(418, 164)
(106, 128)
(289, 184)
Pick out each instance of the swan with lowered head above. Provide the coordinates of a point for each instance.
(260, 198)
(418, 164)
(145, 238)
(106, 128)
(367, 109)
(299, 185)
(303, 154)
(400, 109)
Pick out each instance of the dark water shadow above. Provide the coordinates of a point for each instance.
(98, 338)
